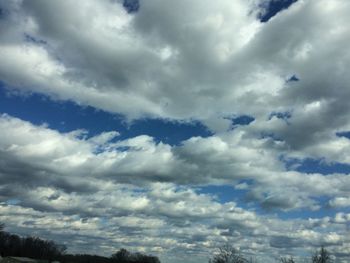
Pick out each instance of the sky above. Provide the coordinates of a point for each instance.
(175, 127)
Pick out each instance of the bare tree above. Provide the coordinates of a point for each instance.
(287, 260)
(124, 256)
(321, 256)
(228, 254)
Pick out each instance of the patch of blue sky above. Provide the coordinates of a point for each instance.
(123, 148)
(345, 134)
(13, 201)
(32, 39)
(240, 120)
(293, 78)
(223, 193)
(3, 11)
(272, 7)
(307, 213)
(310, 165)
(131, 6)
(270, 135)
(227, 193)
(304, 213)
(104, 221)
(281, 115)
(66, 116)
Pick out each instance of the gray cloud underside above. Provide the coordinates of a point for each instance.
(145, 197)
(180, 61)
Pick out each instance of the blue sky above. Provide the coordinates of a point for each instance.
(68, 116)
(173, 127)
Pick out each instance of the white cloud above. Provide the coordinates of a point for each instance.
(220, 60)
(67, 179)
(178, 60)
(73, 162)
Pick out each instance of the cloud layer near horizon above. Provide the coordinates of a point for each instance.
(176, 60)
(102, 186)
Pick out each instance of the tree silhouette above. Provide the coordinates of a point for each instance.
(321, 256)
(121, 256)
(124, 256)
(34, 247)
(287, 260)
(228, 254)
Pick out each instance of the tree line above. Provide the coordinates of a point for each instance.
(34, 247)
(121, 256)
(228, 254)
(37, 248)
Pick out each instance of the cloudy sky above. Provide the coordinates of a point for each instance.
(173, 127)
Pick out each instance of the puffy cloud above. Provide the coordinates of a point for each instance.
(39, 156)
(216, 61)
(106, 58)
(209, 61)
(340, 202)
(90, 193)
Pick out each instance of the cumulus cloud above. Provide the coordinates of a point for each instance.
(136, 187)
(135, 65)
(178, 60)
(70, 161)
(199, 54)
(340, 202)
